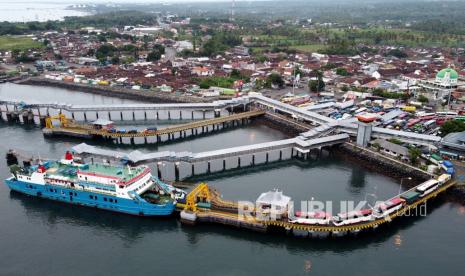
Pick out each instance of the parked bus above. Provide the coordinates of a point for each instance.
(318, 218)
(429, 123)
(446, 113)
(412, 122)
(427, 187)
(352, 217)
(443, 178)
(409, 108)
(388, 207)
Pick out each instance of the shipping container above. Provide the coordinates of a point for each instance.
(410, 197)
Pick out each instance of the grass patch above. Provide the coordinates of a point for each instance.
(8, 43)
(310, 48)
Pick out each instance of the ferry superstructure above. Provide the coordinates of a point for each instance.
(119, 188)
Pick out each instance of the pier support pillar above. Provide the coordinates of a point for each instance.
(253, 159)
(203, 114)
(169, 115)
(109, 115)
(239, 162)
(266, 158)
(158, 116)
(96, 114)
(192, 115)
(280, 155)
(72, 115)
(42, 121)
(121, 115)
(176, 171)
(208, 167)
(180, 114)
(224, 165)
(133, 116)
(85, 117)
(159, 170)
(145, 115)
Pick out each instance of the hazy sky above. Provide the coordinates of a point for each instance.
(115, 1)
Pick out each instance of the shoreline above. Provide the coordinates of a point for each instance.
(122, 93)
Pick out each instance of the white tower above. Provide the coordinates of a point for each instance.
(233, 6)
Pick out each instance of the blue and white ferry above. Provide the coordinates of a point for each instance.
(119, 188)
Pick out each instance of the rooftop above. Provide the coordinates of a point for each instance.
(447, 72)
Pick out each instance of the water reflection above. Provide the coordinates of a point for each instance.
(130, 228)
(127, 228)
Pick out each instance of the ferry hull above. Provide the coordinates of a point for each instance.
(90, 199)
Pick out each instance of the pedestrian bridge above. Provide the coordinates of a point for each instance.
(179, 165)
(384, 133)
(325, 124)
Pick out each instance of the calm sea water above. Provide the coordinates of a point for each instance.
(24, 11)
(40, 237)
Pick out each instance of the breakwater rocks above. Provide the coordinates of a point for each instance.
(382, 164)
(275, 122)
(123, 93)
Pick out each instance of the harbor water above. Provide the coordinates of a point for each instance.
(42, 237)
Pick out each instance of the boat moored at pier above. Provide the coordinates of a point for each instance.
(115, 187)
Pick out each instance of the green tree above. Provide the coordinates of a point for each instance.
(342, 71)
(105, 51)
(153, 56)
(115, 60)
(413, 154)
(156, 53)
(397, 53)
(423, 99)
(318, 84)
(452, 126)
(159, 48)
(275, 79)
(236, 74)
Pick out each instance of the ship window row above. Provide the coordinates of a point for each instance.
(110, 199)
(104, 199)
(31, 187)
(53, 190)
(72, 193)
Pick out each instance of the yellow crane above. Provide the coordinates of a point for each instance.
(60, 117)
(200, 193)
